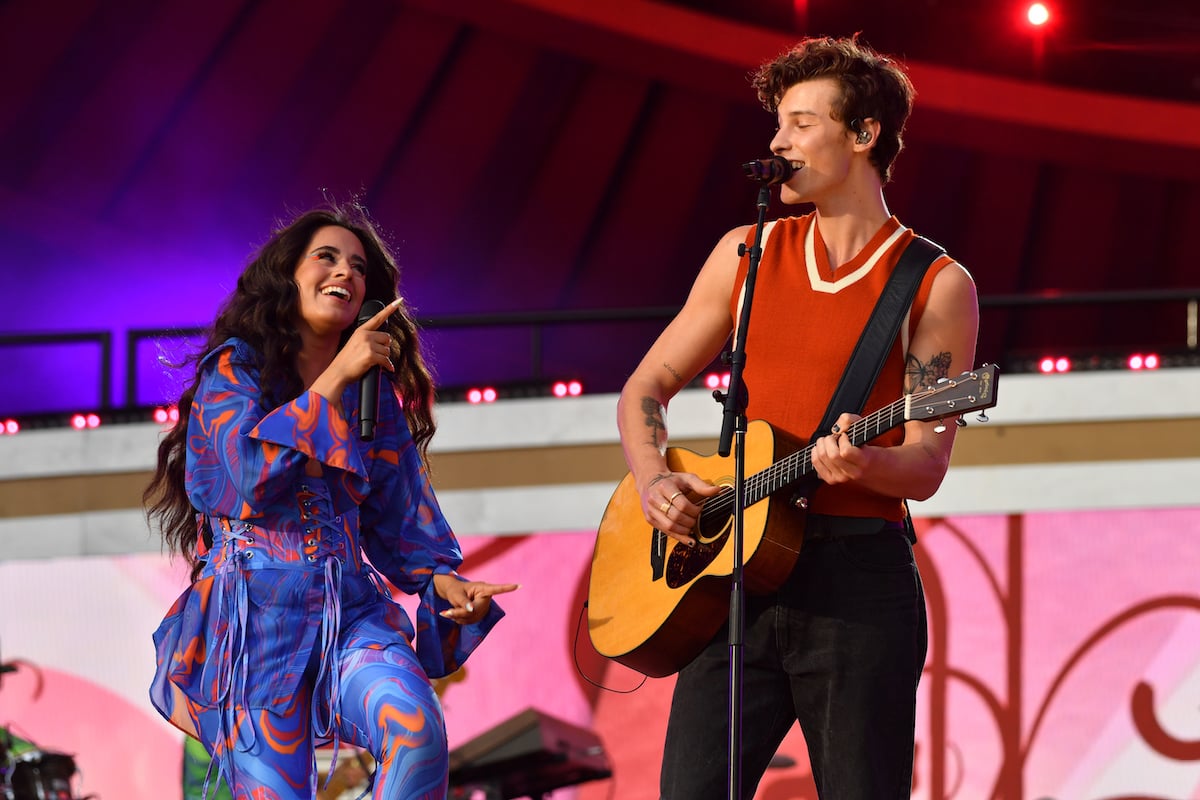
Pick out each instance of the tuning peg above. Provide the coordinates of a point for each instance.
(960, 422)
(982, 416)
(940, 428)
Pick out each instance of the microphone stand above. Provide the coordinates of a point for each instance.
(733, 428)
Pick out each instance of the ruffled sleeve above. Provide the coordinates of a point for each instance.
(241, 457)
(408, 540)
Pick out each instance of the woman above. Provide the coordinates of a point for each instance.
(287, 638)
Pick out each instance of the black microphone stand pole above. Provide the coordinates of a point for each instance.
(733, 427)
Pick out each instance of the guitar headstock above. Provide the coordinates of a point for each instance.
(974, 390)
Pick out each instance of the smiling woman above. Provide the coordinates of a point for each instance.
(287, 637)
(331, 280)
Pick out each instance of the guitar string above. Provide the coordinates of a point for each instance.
(799, 463)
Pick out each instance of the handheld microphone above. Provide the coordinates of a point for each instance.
(368, 386)
(770, 171)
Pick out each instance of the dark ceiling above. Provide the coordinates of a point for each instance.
(1143, 49)
(565, 158)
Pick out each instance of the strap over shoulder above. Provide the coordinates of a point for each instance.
(876, 339)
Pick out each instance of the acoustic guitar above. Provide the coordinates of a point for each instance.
(654, 603)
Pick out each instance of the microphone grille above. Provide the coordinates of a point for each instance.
(369, 309)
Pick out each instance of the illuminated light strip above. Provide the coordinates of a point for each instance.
(511, 511)
(964, 93)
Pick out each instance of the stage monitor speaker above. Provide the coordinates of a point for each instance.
(528, 755)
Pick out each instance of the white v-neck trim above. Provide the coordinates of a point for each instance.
(818, 283)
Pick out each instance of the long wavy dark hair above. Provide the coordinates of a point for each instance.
(262, 312)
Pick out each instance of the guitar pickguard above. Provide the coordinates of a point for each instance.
(712, 531)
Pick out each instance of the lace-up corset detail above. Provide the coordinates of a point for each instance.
(324, 532)
(305, 539)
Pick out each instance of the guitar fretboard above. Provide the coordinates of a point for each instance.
(945, 399)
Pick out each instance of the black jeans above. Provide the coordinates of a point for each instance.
(840, 648)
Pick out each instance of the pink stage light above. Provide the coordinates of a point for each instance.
(1139, 361)
(1050, 364)
(717, 380)
(10, 427)
(487, 394)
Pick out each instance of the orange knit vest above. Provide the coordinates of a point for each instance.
(805, 320)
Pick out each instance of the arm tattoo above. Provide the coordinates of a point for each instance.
(654, 420)
(919, 375)
(674, 374)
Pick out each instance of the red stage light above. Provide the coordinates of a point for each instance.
(1037, 14)
(1062, 365)
(1046, 365)
(10, 427)
(559, 389)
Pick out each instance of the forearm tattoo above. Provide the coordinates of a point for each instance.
(674, 374)
(918, 375)
(654, 421)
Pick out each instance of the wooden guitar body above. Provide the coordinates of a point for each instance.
(671, 599)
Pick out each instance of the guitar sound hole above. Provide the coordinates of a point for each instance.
(685, 563)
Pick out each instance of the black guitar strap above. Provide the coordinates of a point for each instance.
(862, 370)
(866, 361)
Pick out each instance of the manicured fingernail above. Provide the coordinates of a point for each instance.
(837, 429)
(470, 606)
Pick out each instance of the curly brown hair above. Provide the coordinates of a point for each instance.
(262, 311)
(873, 86)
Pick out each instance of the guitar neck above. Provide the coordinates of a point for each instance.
(797, 466)
(949, 397)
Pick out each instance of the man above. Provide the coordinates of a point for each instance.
(840, 646)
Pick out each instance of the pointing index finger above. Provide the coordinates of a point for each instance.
(376, 321)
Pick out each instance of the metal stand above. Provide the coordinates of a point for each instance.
(733, 429)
